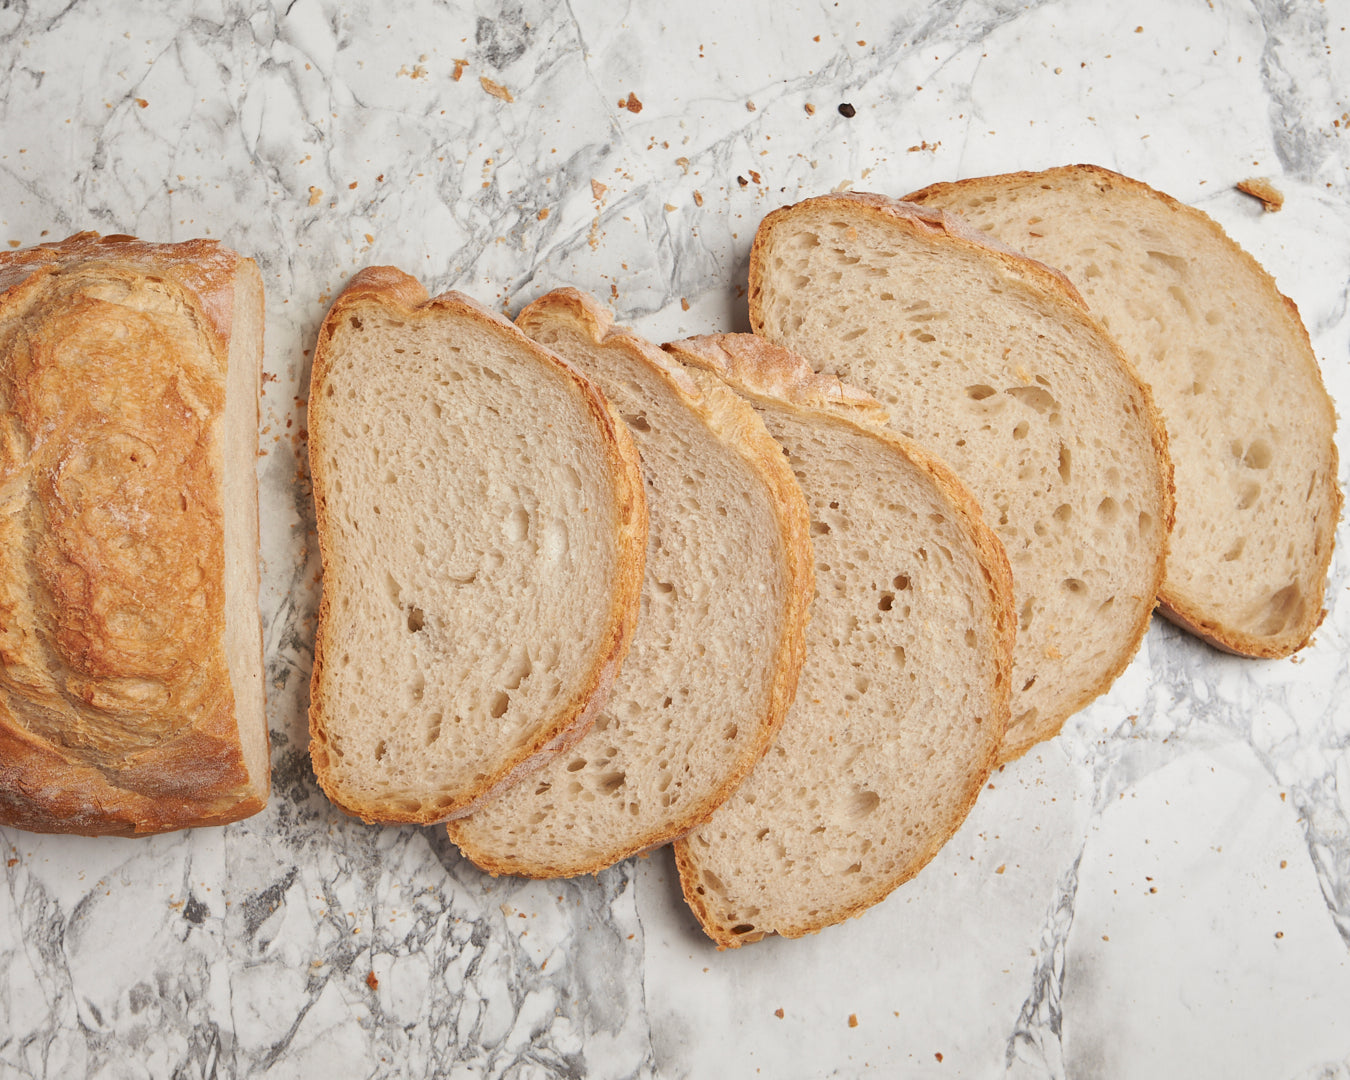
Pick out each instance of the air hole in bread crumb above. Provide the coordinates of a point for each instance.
(576, 765)
(416, 619)
(1247, 495)
(1074, 585)
(730, 732)
(979, 392)
(886, 601)
(380, 750)
(1108, 510)
(611, 782)
(1065, 463)
(901, 582)
(899, 654)
(1259, 455)
(638, 422)
(971, 639)
(1064, 513)
(820, 528)
(1235, 551)
(1020, 431)
(500, 701)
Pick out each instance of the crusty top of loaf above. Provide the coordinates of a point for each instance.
(716, 655)
(1232, 368)
(116, 708)
(472, 699)
(992, 361)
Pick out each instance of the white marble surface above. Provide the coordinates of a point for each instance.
(319, 137)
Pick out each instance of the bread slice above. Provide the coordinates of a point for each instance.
(1249, 422)
(905, 691)
(482, 526)
(716, 655)
(131, 668)
(990, 361)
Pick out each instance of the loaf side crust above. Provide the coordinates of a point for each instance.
(117, 714)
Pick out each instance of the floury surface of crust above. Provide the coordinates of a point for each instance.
(1250, 425)
(717, 652)
(482, 526)
(117, 714)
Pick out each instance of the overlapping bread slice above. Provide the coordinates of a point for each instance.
(991, 361)
(1249, 422)
(718, 648)
(482, 525)
(905, 691)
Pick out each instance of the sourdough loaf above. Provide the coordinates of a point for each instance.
(1250, 425)
(904, 694)
(717, 650)
(482, 525)
(131, 675)
(991, 361)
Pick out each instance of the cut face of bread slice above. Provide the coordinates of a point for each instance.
(131, 668)
(482, 525)
(905, 691)
(1249, 423)
(719, 645)
(990, 361)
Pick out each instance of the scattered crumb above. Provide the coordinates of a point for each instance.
(633, 105)
(925, 145)
(142, 103)
(846, 110)
(369, 239)
(352, 185)
(749, 106)
(1272, 198)
(1279, 933)
(684, 304)
(372, 981)
(1001, 868)
(1138, 29)
(698, 198)
(777, 1012)
(852, 1019)
(496, 89)
(598, 189)
(938, 1055)
(458, 73)
(16, 243)
(315, 194)
(810, 109)
(1284, 863)
(543, 213)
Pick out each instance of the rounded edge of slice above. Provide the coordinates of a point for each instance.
(759, 369)
(391, 289)
(739, 428)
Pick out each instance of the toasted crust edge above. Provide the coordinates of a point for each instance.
(761, 370)
(41, 789)
(737, 427)
(1192, 617)
(390, 288)
(1051, 282)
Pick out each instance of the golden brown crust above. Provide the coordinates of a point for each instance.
(777, 376)
(1176, 608)
(737, 426)
(117, 714)
(393, 291)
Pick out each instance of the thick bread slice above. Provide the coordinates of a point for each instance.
(716, 655)
(482, 526)
(905, 691)
(131, 668)
(991, 361)
(1249, 422)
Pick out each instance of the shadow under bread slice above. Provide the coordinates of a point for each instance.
(482, 526)
(904, 695)
(717, 651)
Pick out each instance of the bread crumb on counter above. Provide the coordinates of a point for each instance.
(1272, 198)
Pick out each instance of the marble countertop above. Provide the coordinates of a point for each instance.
(1163, 890)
